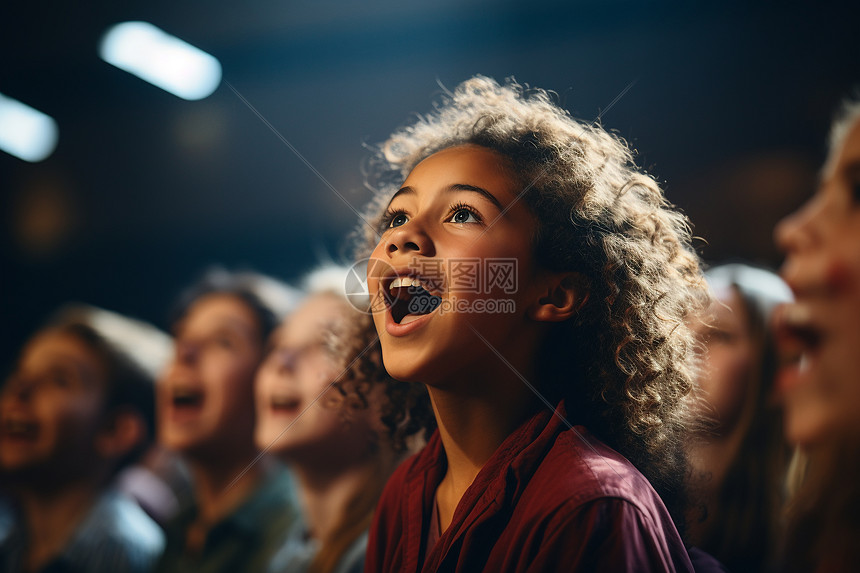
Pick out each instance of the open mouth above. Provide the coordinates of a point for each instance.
(187, 399)
(23, 430)
(796, 332)
(284, 405)
(411, 298)
(807, 336)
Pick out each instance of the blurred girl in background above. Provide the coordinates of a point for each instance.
(78, 408)
(243, 506)
(738, 463)
(822, 395)
(339, 450)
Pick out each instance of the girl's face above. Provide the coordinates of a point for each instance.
(822, 243)
(455, 258)
(206, 396)
(729, 359)
(51, 408)
(295, 381)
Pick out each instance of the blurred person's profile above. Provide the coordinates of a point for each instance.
(322, 393)
(821, 394)
(242, 503)
(738, 459)
(78, 408)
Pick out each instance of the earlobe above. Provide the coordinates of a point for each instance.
(564, 295)
(121, 435)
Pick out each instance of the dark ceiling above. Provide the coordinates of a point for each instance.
(729, 106)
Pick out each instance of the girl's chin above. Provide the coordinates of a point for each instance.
(805, 435)
(808, 423)
(406, 366)
(402, 372)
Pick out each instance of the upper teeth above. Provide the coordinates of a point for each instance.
(407, 282)
(182, 393)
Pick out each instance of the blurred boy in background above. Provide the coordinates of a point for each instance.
(78, 408)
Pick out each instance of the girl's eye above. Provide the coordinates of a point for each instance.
(721, 336)
(59, 379)
(464, 215)
(224, 342)
(397, 220)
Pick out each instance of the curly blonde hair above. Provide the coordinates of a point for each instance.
(628, 357)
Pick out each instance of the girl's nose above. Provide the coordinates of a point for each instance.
(186, 353)
(22, 389)
(410, 238)
(799, 230)
(286, 360)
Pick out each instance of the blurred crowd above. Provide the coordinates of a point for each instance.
(260, 432)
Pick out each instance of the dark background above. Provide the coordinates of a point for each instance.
(730, 109)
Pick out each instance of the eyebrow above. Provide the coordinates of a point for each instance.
(218, 324)
(452, 189)
(236, 324)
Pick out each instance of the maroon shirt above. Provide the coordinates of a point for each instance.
(551, 498)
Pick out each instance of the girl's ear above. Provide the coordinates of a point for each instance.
(121, 434)
(562, 297)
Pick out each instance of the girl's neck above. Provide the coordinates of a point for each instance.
(471, 428)
(714, 453)
(52, 516)
(710, 462)
(220, 488)
(325, 490)
(714, 458)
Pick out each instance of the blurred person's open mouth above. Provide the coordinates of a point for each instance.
(799, 339)
(284, 405)
(19, 430)
(186, 402)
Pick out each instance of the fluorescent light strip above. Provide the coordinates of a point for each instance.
(163, 60)
(25, 132)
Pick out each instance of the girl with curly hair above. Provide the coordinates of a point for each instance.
(537, 284)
